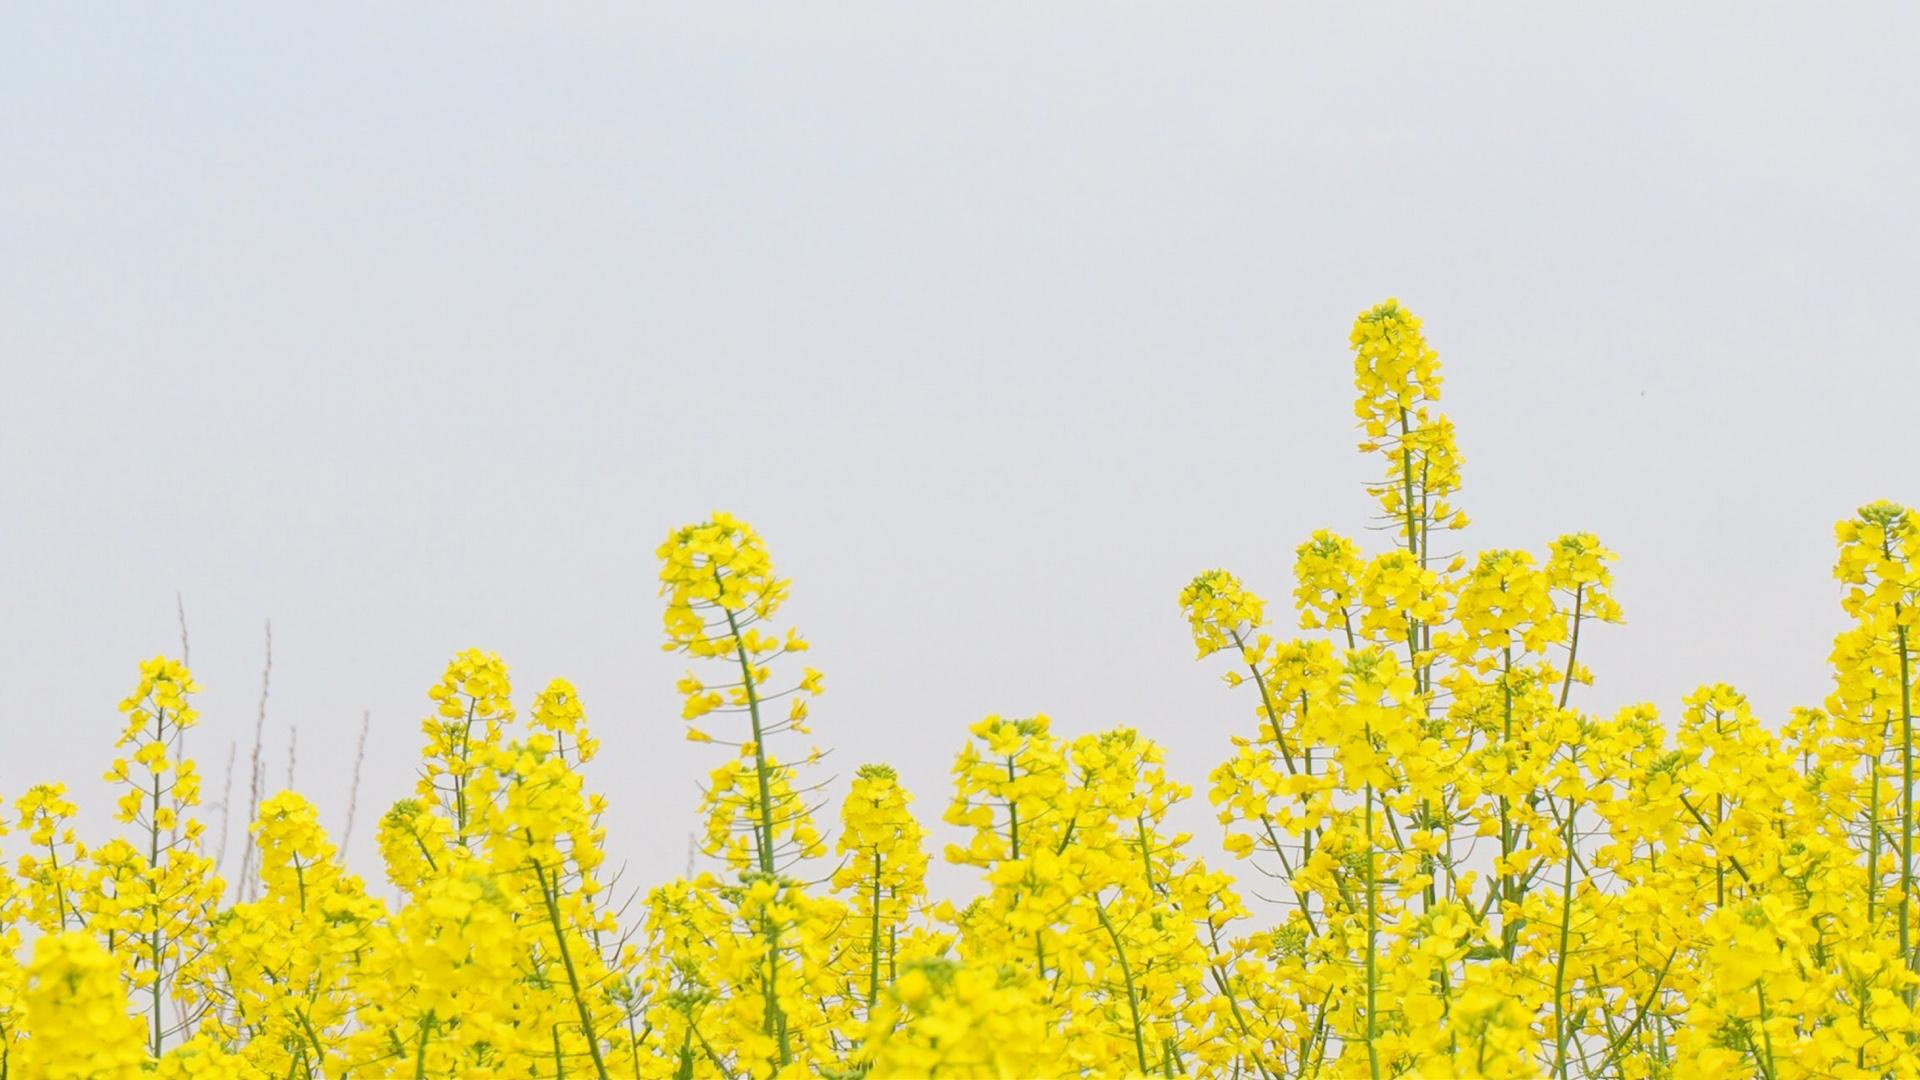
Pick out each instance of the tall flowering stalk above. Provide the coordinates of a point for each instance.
(883, 876)
(283, 976)
(721, 595)
(1879, 549)
(721, 592)
(548, 846)
(161, 894)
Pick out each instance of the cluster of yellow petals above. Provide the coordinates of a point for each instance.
(76, 1008)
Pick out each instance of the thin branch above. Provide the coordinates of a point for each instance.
(353, 793)
(254, 774)
(226, 807)
(180, 606)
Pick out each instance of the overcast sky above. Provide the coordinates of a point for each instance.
(416, 328)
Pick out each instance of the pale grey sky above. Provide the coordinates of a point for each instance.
(417, 327)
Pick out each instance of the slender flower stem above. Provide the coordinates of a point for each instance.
(547, 892)
(776, 1019)
(1560, 1029)
(1573, 643)
(1126, 973)
(153, 868)
(1906, 806)
(1373, 933)
(873, 939)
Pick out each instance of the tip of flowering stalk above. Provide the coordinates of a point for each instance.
(1887, 515)
(1383, 311)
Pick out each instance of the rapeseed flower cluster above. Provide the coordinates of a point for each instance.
(1437, 861)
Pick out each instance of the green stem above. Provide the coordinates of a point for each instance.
(1772, 1068)
(1373, 928)
(1906, 807)
(1560, 1032)
(765, 833)
(548, 892)
(1126, 972)
(1504, 884)
(776, 1020)
(153, 866)
(1710, 830)
(313, 1039)
(1146, 853)
(1225, 986)
(1266, 701)
(459, 775)
(420, 1052)
(1873, 824)
(873, 940)
(1620, 1042)
(1406, 477)
(1573, 645)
